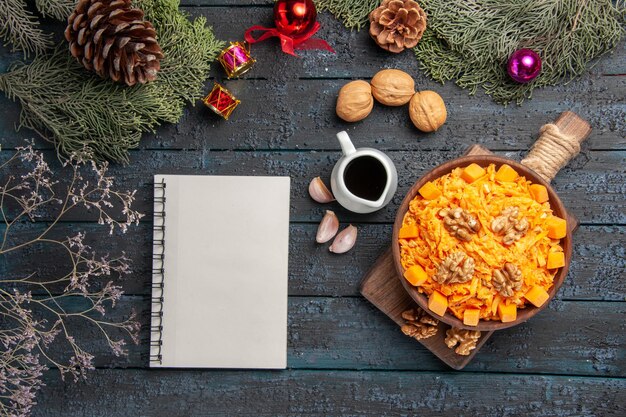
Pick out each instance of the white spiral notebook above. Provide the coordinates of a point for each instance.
(219, 284)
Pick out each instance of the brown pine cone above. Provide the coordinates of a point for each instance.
(111, 38)
(397, 24)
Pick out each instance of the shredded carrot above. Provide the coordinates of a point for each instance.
(485, 198)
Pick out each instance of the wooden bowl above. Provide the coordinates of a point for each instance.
(484, 160)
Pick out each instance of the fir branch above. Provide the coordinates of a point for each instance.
(189, 48)
(20, 28)
(353, 14)
(470, 42)
(74, 108)
(106, 117)
(58, 9)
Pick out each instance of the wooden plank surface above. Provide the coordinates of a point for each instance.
(345, 357)
(349, 333)
(332, 393)
(596, 272)
(592, 186)
(273, 115)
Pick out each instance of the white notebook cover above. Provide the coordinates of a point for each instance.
(223, 301)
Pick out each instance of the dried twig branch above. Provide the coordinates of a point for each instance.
(32, 316)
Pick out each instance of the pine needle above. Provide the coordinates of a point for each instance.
(63, 102)
(470, 41)
(20, 28)
(353, 13)
(189, 48)
(59, 9)
(73, 108)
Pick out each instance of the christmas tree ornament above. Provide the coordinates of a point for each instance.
(236, 59)
(112, 39)
(397, 24)
(524, 65)
(296, 23)
(295, 18)
(221, 101)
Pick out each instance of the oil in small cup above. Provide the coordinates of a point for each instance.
(365, 177)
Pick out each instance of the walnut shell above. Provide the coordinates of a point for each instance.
(355, 101)
(427, 111)
(393, 87)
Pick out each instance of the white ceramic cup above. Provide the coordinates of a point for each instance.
(342, 192)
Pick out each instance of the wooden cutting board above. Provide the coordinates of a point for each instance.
(381, 285)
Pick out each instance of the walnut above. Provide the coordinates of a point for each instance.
(427, 111)
(460, 223)
(392, 87)
(456, 268)
(466, 339)
(419, 324)
(355, 101)
(507, 280)
(508, 225)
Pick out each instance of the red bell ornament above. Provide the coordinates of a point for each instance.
(296, 23)
(294, 18)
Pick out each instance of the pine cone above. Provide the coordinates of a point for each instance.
(111, 38)
(397, 24)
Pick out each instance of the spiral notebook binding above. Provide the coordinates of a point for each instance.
(158, 275)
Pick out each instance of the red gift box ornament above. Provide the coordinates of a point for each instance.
(296, 24)
(221, 101)
(236, 59)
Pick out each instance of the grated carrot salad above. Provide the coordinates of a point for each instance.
(486, 197)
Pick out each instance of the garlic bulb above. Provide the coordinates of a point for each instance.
(328, 227)
(319, 192)
(344, 241)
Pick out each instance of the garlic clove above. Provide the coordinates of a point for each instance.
(344, 241)
(319, 192)
(328, 227)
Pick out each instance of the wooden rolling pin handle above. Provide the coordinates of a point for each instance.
(558, 143)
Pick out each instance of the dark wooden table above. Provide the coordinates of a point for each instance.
(345, 357)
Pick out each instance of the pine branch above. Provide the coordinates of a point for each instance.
(470, 42)
(189, 47)
(58, 9)
(354, 14)
(73, 108)
(20, 28)
(70, 106)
